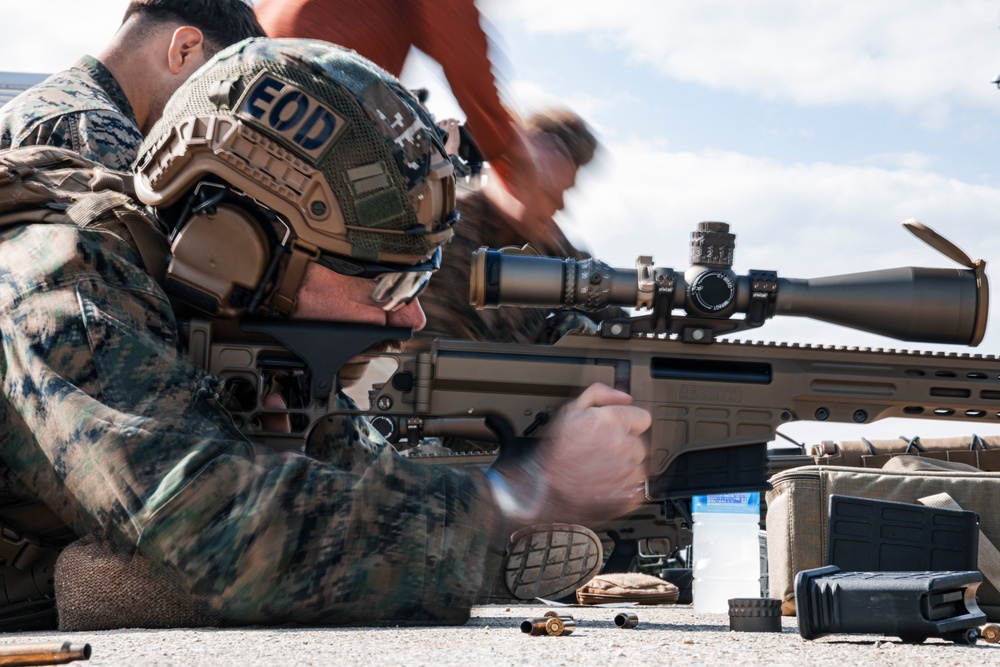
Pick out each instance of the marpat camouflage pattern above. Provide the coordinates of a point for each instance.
(82, 109)
(113, 429)
(117, 433)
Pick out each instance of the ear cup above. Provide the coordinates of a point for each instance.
(218, 259)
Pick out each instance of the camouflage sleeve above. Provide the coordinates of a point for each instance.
(118, 434)
(103, 136)
(348, 442)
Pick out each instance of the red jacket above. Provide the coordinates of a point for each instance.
(384, 30)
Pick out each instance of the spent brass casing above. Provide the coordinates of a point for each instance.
(558, 627)
(626, 619)
(556, 614)
(534, 626)
(552, 625)
(43, 654)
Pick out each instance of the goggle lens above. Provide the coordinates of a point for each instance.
(395, 290)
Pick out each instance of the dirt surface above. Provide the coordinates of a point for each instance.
(666, 635)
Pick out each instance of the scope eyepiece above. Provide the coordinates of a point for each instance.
(520, 277)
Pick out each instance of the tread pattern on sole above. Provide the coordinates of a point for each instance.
(551, 561)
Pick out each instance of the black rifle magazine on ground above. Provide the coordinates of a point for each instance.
(867, 535)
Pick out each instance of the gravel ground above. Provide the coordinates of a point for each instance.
(666, 635)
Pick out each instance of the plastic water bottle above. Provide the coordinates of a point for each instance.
(726, 549)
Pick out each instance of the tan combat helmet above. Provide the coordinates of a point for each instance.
(282, 152)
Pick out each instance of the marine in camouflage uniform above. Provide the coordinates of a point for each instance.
(486, 222)
(83, 109)
(446, 302)
(122, 437)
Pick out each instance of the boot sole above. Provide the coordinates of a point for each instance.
(551, 561)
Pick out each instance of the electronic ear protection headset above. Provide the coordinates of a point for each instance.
(224, 251)
(282, 153)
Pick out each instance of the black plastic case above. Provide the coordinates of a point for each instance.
(868, 535)
(910, 605)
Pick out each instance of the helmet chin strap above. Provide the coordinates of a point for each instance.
(285, 297)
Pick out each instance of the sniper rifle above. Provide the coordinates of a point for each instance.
(715, 403)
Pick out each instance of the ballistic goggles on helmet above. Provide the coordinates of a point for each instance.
(396, 285)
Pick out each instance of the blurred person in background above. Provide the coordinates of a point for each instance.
(496, 216)
(449, 31)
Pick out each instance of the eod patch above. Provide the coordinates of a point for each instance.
(285, 109)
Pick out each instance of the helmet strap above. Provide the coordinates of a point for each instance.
(286, 297)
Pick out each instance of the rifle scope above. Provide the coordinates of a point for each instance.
(908, 303)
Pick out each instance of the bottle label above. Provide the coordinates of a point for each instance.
(727, 503)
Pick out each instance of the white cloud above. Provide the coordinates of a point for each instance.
(909, 55)
(910, 160)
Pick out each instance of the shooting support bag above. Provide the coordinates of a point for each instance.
(973, 450)
(798, 513)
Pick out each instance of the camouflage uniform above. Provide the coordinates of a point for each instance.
(446, 301)
(118, 434)
(82, 109)
(113, 429)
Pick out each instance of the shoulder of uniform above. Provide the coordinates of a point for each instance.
(41, 157)
(60, 95)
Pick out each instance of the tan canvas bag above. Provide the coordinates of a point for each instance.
(798, 512)
(979, 452)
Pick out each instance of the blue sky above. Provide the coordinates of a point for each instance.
(812, 127)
